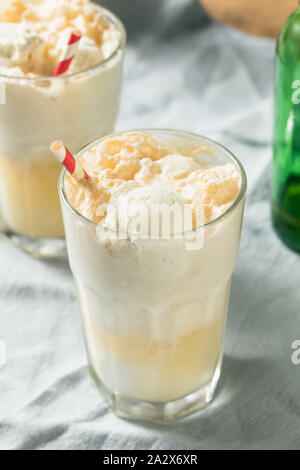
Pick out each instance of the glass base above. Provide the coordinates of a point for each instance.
(157, 412)
(38, 248)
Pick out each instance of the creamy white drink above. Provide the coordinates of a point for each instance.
(75, 107)
(154, 309)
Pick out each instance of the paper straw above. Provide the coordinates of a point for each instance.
(65, 157)
(68, 53)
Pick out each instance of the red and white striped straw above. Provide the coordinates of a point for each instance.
(68, 53)
(65, 157)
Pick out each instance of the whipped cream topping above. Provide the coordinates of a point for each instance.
(135, 168)
(33, 34)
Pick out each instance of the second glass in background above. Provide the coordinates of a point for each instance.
(75, 108)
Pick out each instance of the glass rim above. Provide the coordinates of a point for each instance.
(116, 20)
(230, 209)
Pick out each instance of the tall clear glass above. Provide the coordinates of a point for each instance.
(75, 108)
(154, 310)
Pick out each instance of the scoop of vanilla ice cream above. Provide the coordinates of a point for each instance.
(176, 166)
(87, 55)
(145, 185)
(17, 42)
(147, 210)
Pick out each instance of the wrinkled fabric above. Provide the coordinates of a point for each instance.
(181, 71)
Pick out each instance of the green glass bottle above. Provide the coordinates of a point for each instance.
(286, 162)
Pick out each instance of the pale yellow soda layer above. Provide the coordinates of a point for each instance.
(29, 197)
(157, 370)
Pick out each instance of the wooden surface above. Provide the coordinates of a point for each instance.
(257, 17)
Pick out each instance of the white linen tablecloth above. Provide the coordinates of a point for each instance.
(181, 71)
